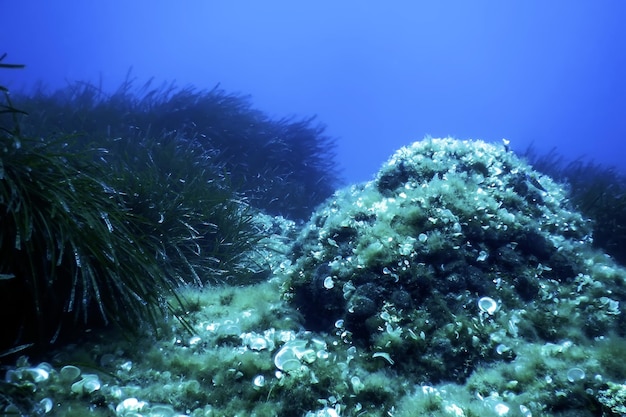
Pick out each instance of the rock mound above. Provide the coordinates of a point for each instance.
(454, 254)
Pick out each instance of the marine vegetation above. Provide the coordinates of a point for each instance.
(599, 192)
(97, 230)
(284, 167)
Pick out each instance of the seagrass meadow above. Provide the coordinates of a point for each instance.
(174, 252)
(111, 202)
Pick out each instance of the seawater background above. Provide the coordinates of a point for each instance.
(379, 75)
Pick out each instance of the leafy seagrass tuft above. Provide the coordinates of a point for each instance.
(96, 229)
(284, 167)
(69, 244)
(598, 191)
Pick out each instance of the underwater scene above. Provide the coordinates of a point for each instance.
(180, 250)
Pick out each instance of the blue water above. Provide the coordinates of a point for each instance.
(379, 76)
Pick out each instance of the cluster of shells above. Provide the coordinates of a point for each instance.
(45, 378)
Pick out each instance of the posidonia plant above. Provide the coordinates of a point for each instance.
(95, 230)
(283, 166)
(597, 190)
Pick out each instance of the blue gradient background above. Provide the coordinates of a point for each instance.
(379, 74)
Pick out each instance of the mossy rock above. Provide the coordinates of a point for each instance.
(400, 262)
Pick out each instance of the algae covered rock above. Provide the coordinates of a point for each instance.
(452, 256)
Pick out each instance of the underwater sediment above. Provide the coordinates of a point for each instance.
(458, 282)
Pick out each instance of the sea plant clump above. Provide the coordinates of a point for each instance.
(284, 167)
(93, 234)
(597, 191)
(454, 255)
(183, 208)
